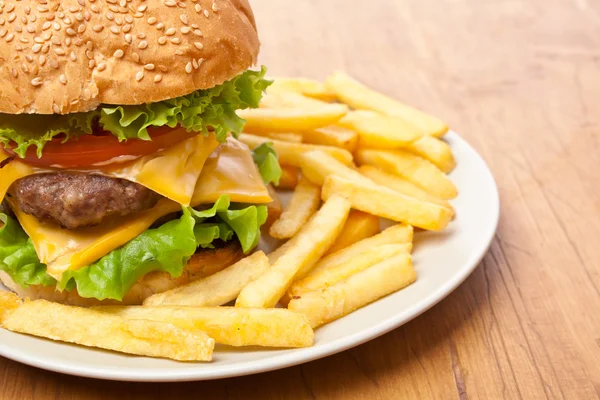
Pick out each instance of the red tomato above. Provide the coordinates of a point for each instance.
(90, 150)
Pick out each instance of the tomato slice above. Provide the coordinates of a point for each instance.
(93, 150)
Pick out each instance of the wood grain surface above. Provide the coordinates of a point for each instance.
(520, 80)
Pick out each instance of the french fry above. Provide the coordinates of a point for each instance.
(341, 299)
(307, 87)
(359, 226)
(302, 253)
(379, 131)
(217, 289)
(282, 136)
(95, 329)
(435, 150)
(401, 185)
(333, 135)
(278, 100)
(411, 167)
(290, 154)
(289, 177)
(229, 325)
(359, 96)
(397, 234)
(342, 271)
(291, 119)
(317, 166)
(386, 203)
(274, 208)
(304, 203)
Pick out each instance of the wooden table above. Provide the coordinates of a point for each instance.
(520, 80)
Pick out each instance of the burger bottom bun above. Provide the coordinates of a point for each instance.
(204, 263)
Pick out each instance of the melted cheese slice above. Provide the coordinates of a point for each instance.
(229, 170)
(172, 173)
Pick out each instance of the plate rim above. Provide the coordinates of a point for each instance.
(291, 357)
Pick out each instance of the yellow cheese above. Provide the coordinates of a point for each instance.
(229, 170)
(172, 173)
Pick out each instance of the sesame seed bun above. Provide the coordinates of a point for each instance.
(70, 56)
(204, 263)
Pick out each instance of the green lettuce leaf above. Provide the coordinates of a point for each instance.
(196, 111)
(166, 248)
(265, 157)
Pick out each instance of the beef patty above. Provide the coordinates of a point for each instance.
(78, 200)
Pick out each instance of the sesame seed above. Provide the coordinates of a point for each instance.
(195, 64)
(195, 26)
(36, 81)
(138, 15)
(162, 40)
(60, 14)
(188, 68)
(198, 45)
(126, 28)
(163, 68)
(42, 9)
(38, 40)
(114, 29)
(214, 7)
(3, 32)
(71, 32)
(206, 14)
(30, 29)
(53, 63)
(128, 38)
(27, 10)
(68, 41)
(151, 20)
(141, 35)
(50, 17)
(157, 78)
(149, 67)
(110, 16)
(45, 48)
(56, 40)
(160, 26)
(89, 45)
(143, 44)
(142, 8)
(25, 68)
(89, 54)
(198, 32)
(101, 66)
(139, 76)
(47, 35)
(87, 15)
(59, 51)
(95, 8)
(185, 30)
(81, 2)
(119, 53)
(18, 48)
(9, 37)
(179, 52)
(24, 40)
(73, 56)
(56, 108)
(136, 57)
(170, 3)
(79, 17)
(118, 21)
(42, 60)
(81, 28)
(67, 21)
(170, 32)
(2, 21)
(29, 58)
(180, 4)
(63, 79)
(198, 8)
(10, 8)
(128, 19)
(184, 19)
(32, 18)
(91, 64)
(98, 28)
(111, 1)
(18, 28)
(36, 48)
(15, 73)
(123, 3)
(200, 61)
(11, 17)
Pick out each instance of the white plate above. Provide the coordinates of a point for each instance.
(442, 260)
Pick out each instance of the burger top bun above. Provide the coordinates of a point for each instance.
(66, 56)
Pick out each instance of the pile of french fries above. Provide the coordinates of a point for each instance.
(352, 157)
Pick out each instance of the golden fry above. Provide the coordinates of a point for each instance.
(326, 277)
(386, 203)
(303, 252)
(229, 325)
(290, 154)
(95, 329)
(411, 167)
(435, 150)
(341, 299)
(291, 119)
(317, 166)
(401, 185)
(279, 100)
(217, 289)
(304, 203)
(289, 177)
(359, 96)
(379, 131)
(307, 87)
(282, 136)
(359, 226)
(333, 135)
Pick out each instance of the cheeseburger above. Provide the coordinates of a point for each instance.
(120, 172)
